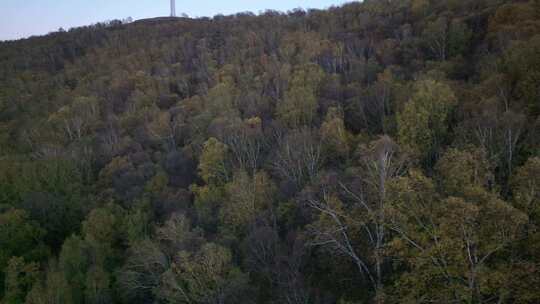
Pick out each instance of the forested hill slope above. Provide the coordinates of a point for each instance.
(378, 152)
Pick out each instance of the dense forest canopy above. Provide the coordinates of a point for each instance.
(386, 151)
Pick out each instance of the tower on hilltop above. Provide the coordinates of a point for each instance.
(173, 8)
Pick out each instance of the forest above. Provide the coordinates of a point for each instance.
(383, 151)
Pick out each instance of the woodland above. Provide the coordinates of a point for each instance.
(383, 151)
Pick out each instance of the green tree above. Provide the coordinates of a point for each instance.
(212, 164)
(221, 99)
(248, 197)
(19, 237)
(104, 235)
(300, 105)
(54, 289)
(207, 203)
(459, 37)
(20, 277)
(450, 244)
(158, 183)
(73, 263)
(49, 191)
(526, 188)
(420, 7)
(525, 185)
(334, 135)
(423, 123)
(97, 286)
(463, 174)
(137, 222)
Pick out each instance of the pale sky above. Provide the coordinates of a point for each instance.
(23, 18)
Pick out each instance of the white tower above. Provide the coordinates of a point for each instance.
(173, 8)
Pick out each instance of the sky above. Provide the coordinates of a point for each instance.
(24, 18)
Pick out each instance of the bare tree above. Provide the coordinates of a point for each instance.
(498, 136)
(177, 235)
(280, 263)
(512, 126)
(298, 156)
(111, 136)
(436, 34)
(142, 273)
(334, 232)
(246, 143)
(381, 161)
(77, 119)
(166, 127)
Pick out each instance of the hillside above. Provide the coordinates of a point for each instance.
(379, 152)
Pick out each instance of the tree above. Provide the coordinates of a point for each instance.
(334, 135)
(278, 263)
(73, 263)
(248, 197)
(246, 142)
(221, 99)
(498, 136)
(54, 289)
(166, 128)
(98, 286)
(379, 106)
(525, 185)
(436, 35)
(459, 37)
(77, 119)
(207, 201)
(339, 224)
(450, 244)
(158, 183)
(208, 276)
(463, 173)
(512, 128)
(49, 191)
(420, 7)
(523, 66)
(331, 230)
(298, 156)
(300, 105)
(212, 164)
(214, 170)
(423, 123)
(526, 188)
(511, 22)
(19, 237)
(104, 235)
(149, 263)
(20, 277)
(141, 275)
(178, 234)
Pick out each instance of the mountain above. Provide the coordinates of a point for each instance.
(384, 151)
